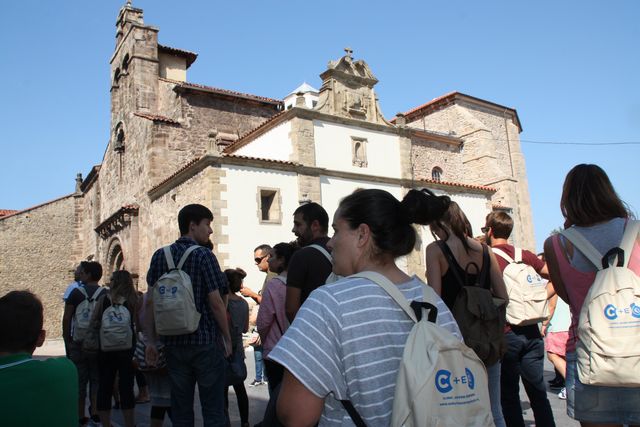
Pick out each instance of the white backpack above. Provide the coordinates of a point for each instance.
(332, 277)
(441, 382)
(608, 349)
(528, 303)
(116, 331)
(83, 313)
(174, 306)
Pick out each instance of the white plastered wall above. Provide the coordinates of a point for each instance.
(244, 229)
(274, 144)
(334, 149)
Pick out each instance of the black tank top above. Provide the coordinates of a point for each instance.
(451, 280)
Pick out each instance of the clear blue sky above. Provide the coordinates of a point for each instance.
(571, 69)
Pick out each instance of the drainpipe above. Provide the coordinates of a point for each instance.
(506, 131)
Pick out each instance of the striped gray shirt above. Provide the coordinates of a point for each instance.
(346, 343)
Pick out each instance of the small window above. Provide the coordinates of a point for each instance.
(436, 174)
(359, 152)
(119, 139)
(125, 63)
(116, 77)
(270, 205)
(313, 104)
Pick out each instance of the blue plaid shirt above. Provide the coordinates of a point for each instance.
(206, 277)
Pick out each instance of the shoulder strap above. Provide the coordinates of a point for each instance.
(451, 261)
(517, 254)
(353, 413)
(97, 293)
(19, 362)
(391, 289)
(169, 257)
(486, 266)
(323, 251)
(83, 291)
(502, 254)
(186, 254)
(629, 240)
(583, 245)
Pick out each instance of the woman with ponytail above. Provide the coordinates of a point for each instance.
(348, 338)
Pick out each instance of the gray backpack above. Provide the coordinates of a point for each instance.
(84, 312)
(116, 330)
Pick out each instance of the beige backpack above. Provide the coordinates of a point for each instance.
(174, 306)
(527, 291)
(608, 349)
(441, 382)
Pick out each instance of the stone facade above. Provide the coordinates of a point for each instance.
(173, 143)
(36, 254)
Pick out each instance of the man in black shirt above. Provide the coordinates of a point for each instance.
(309, 267)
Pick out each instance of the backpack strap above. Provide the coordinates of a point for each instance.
(486, 266)
(482, 274)
(323, 251)
(185, 255)
(629, 239)
(96, 294)
(583, 245)
(451, 261)
(517, 254)
(502, 254)
(83, 291)
(353, 413)
(391, 289)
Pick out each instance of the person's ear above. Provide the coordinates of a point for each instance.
(41, 337)
(364, 234)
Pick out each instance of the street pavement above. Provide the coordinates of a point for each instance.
(259, 396)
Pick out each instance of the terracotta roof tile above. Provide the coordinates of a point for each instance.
(190, 56)
(196, 86)
(156, 118)
(240, 142)
(459, 184)
(13, 213)
(5, 212)
(281, 162)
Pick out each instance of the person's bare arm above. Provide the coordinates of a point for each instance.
(292, 303)
(544, 272)
(434, 273)
(151, 352)
(554, 269)
(216, 304)
(498, 288)
(553, 301)
(297, 406)
(66, 322)
(248, 292)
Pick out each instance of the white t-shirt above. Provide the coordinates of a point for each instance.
(346, 343)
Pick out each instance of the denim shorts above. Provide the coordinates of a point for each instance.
(600, 404)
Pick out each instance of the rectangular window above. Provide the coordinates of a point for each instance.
(269, 205)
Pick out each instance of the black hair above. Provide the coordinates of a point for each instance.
(314, 212)
(21, 317)
(389, 219)
(263, 248)
(286, 251)
(192, 213)
(235, 276)
(93, 269)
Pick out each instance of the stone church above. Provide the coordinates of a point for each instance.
(252, 160)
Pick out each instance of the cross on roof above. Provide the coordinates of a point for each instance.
(349, 51)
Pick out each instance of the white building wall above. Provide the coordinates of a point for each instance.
(243, 228)
(334, 149)
(274, 144)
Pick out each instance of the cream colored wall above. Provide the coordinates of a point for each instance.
(275, 144)
(333, 149)
(243, 227)
(173, 67)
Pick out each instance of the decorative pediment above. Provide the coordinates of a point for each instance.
(347, 90)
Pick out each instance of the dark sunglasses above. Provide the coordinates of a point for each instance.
(485, 229)
(259, 259)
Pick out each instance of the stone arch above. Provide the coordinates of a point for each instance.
(125, 63)
(115, 257)
(119, 137)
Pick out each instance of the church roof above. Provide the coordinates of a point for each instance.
(433, 182)
(189, 56)
(13, 213)
(5, 212)
(156, 118)
(247, 137)
(304, 88)
(210, 89)
(450, 99)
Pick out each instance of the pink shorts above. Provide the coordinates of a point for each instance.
(556, 342)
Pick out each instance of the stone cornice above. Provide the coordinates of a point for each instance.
(197, 165)
(117, 221)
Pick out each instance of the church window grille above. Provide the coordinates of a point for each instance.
(436, 174)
